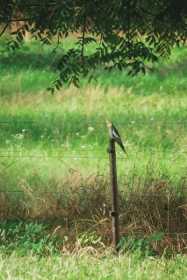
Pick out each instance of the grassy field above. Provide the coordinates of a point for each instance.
(54, 164)
(85, 266)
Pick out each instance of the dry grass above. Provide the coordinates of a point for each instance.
(82, 204)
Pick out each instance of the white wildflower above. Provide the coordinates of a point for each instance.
(90, 128)
(19, 136)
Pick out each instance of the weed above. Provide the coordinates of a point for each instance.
(26, 238)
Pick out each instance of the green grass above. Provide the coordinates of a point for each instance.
(85, 266)
(54, 168)
(31, 251)
(149, 111)
(59, 143)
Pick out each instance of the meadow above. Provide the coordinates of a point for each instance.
(92, 267)
(54, 168)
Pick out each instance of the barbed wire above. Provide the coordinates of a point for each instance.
(56, 157)
(20, 121)
(20, 154)
(174, 233)
(87, 122)
(50, 221)
(144, 194)
(73, 157)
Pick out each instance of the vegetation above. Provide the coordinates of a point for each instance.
(54, 185)
(132, 33)
(82, 266)
(28, 251)
(58, 143)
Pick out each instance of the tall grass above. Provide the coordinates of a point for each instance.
(53, 149)
(84, 266)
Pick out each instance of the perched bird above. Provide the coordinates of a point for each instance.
(114, 134)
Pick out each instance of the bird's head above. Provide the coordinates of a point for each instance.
(108, 123)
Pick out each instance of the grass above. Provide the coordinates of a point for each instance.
(54, 169)
(29, 251)
(84, 266)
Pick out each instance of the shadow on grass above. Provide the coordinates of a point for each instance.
(21, 61)
(34, 56)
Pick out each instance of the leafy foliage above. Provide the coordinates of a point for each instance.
(143, 245)
(28, 237)
(129, 33)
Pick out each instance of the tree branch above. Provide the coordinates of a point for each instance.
(83, 34)
(83, 38)
(15, 19)
(4, 29)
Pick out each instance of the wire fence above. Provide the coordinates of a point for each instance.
(42, 124)
(94, 155)
(84, 152)
(170, 222)
(86, 121)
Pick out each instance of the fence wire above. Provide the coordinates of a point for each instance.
(87, 122)
(16, 154)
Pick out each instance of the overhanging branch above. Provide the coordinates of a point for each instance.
(4, 29)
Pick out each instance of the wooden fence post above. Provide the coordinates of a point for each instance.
(114, 185)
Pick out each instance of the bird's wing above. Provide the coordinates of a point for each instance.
(120, 143)
(116, 136)
(115, 132)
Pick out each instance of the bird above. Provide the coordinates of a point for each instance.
(114, 134)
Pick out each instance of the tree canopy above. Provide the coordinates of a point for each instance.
(128, 33)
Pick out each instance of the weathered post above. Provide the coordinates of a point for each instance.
(113, 178)
(114, 137)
